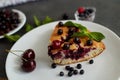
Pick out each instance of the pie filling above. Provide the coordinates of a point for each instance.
(72, 54)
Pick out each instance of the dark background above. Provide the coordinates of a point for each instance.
(108, 14)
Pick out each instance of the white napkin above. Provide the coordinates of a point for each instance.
(4, 3)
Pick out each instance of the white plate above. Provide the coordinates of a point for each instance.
(22, 18)
(105, 67)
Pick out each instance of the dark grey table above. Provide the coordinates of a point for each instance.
(108, 14)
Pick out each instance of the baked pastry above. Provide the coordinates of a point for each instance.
(65, 47)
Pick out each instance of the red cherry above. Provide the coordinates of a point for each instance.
(56, 44)
(29, 54)
(29, 65)
(81, 10)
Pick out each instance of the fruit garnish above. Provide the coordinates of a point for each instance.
(60, 24)
(97, 36)
(91, 61)
(81, 10)
(53, 65)
(61, 73)
(29, 54)
(29, 65)
(28, 62)
(81, 72)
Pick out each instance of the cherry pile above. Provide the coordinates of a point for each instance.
(28, 62)
(9, 20)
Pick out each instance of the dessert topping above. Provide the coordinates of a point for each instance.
(97, 36)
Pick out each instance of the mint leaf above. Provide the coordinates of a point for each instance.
(81, 27)
(80, 34)
(47, 20)
(36, 21)
(28, 27)
(12, 38)
(97, 36)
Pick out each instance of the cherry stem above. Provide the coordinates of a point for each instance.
(16, 54)
(16, 51)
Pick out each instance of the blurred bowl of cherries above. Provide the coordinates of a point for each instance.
(11, 20)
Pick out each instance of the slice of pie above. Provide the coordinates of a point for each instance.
(64, 48)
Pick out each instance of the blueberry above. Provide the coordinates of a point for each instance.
(89, 42)
(71, 69)
(61, 73)
(60, 31)
(76, 40)
(79, 66)
(60, 24)
(90, 10)
(66, 46)
(81, 15)
(71, 30)
(70, 73)
(53, 65)
(68, 38)
(75, 72)
(81, 72)
(86, 12)
(91, 61)
(67, 67)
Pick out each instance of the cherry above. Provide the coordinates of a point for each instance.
(56, 44)
(28, 62)
(81, 10)
(28, 65)
(29, 54)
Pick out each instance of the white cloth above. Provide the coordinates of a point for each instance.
(4, 3)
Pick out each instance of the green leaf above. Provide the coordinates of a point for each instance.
(81, 27)
(28, 27)
(12, 38)
(36, 21)
(97, 36)
(47, 20)
(80, 34)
